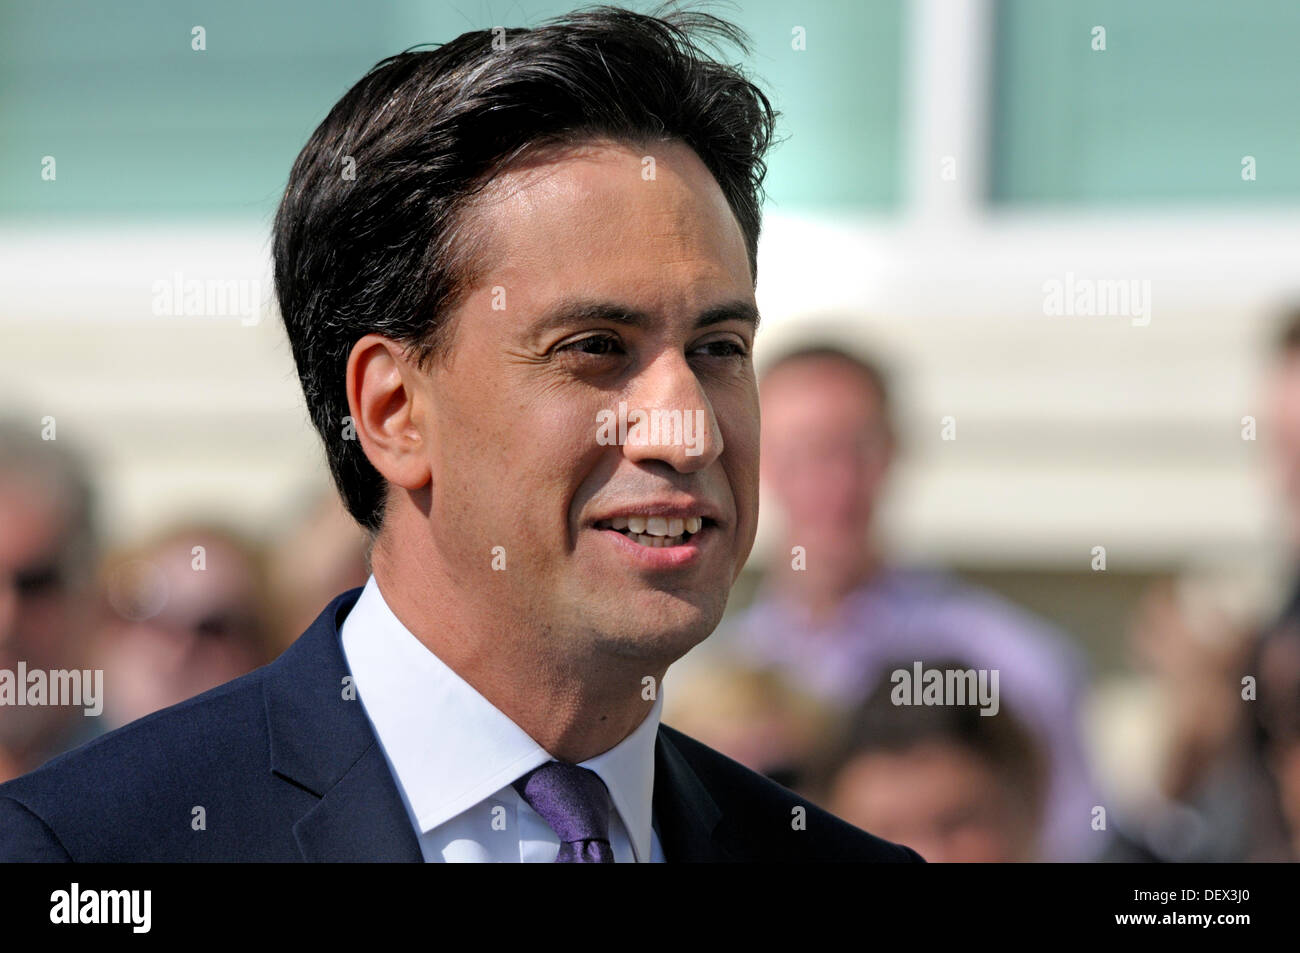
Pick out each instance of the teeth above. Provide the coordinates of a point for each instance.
(647, 528)
(657, 542)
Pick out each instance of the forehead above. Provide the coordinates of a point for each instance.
(815, 384)
(618, 219)
(31, 516)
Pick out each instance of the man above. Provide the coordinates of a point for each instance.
(484, 255)
(839, 619)
(1276, 656)
(48, 547)
(1280, 396)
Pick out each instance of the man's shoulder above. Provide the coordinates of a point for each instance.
(181, 735)
(763, 820)
(137, 791)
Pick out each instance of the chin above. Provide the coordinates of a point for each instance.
(662, 628)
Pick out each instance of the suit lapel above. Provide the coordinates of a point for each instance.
(686, 817)
(322, 742)
(361, 818)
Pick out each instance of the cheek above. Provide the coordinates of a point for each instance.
(746, 479)
(47, 628)
(516, 474)
(741, 438)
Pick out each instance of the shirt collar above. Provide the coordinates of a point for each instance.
(450, 747)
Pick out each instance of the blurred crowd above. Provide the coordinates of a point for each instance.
(1201, 729)
(800, 683)
(165, 617)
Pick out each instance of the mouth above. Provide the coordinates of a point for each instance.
(657, 532)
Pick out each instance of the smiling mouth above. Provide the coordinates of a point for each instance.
(657, 532)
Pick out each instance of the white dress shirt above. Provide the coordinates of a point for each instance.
(454, 755)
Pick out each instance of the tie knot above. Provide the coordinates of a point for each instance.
(572, 799)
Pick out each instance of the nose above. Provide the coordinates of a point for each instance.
(670, 417)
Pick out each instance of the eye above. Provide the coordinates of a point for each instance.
(37, 581)
(597, 345)
(727, 347)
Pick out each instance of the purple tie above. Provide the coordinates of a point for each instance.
(574, 801)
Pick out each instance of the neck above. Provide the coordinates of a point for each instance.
(824, 584)
(574, 705)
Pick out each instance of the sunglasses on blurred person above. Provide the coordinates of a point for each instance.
(39, 580)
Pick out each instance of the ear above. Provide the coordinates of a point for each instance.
(388, 400)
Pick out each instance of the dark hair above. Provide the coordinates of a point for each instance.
(1003, 741)
(392, 250)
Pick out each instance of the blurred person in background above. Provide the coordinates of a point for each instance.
(320, 555)
(1276, 658)
(1277, 727)
(828, 443)
(753, 715)
(48, 546)
(1282, 430)
(1210, 774)
(187, 611)
(961, 785)
(1194, 786)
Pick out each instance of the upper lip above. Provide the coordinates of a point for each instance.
(665, 508)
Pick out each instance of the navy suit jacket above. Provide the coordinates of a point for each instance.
(285, 768)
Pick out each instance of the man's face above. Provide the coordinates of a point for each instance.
(524, 428)
(44, 609)
(826, 450)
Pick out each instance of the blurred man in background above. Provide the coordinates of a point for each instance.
(188, 611)
(1277, 655)
(1205, 736)
(48, 547)
(1277, 728)
(1282, 412)
(832, 612)
(1186, 779)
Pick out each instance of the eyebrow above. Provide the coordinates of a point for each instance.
(584, 311)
